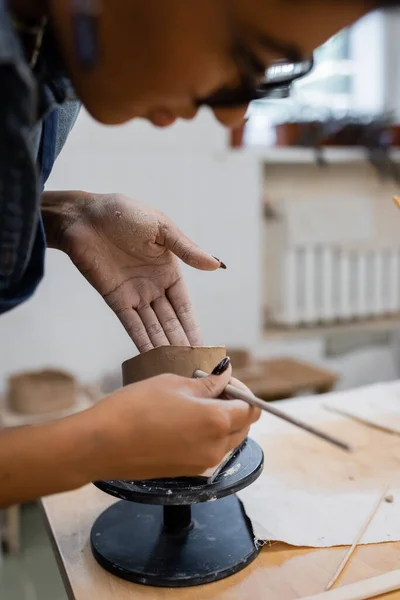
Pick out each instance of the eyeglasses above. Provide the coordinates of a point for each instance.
(258, 83)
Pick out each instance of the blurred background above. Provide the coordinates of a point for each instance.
(297, 202)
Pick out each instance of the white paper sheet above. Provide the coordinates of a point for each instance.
(312, 494)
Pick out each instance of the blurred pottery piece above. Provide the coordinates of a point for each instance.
(41, 392)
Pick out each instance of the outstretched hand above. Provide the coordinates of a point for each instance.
(129, 253)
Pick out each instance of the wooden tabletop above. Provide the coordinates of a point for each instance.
(279, 573)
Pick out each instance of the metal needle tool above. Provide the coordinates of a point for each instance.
(248, 397)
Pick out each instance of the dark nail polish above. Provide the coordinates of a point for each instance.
(221, 264)
(222, 366)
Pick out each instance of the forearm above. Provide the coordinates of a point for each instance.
(59, 211)
(44, 459)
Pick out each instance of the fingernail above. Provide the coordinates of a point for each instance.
(221, 264)
(222, 366)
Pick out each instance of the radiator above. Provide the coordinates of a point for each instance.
(323, 284)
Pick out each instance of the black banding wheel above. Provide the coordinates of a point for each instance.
(179, 532)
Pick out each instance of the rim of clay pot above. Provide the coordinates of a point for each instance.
(174, 346)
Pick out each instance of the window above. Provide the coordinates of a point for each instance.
(330, 83)
(348, 79)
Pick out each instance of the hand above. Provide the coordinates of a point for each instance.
(129, 253)
(167, 426)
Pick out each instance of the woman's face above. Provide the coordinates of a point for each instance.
(160, 58)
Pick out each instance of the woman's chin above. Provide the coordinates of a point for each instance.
(161, 118)
(111, 115)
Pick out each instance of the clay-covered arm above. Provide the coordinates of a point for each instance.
(44, 459)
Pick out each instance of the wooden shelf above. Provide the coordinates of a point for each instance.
(282, 378)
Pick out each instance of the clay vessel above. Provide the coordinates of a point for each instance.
(179, 360)
(40, 392)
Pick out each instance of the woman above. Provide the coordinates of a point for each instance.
(160, 60)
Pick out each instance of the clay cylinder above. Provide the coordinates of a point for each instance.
(41, 392)
(179, 360)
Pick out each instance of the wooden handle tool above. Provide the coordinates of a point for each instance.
(362, 590)
(356, 542)
(248, 397)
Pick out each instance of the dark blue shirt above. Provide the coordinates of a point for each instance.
(38, 108)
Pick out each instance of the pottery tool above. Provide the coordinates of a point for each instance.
(251, 399)
(356, 542)
(367, 422)
(363, 590)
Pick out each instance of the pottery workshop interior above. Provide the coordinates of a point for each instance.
(199, 299)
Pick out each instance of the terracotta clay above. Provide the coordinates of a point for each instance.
(40, 392)
(179, 360)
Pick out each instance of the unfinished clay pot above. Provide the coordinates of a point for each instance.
(40, 392)
(179, 360)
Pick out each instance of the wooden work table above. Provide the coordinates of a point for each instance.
(280, 572)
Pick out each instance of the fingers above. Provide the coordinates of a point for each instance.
(215, 452)
(136, 329)
(154, 328)
(161, 324)
(167, 319)
(189, 252)
(213, 385)
(179, 299)
(239, 414)
(236, 439)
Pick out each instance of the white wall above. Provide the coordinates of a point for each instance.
(212, 195)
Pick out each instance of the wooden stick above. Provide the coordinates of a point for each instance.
(396, 200)
(363, 590)
(344, 413)
(360, 534)
(248, 397)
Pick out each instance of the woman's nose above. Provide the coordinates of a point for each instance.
(230, 117)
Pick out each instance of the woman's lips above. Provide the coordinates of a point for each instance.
(162, 118)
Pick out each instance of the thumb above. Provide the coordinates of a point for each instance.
(214, 385)
(189, 252)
